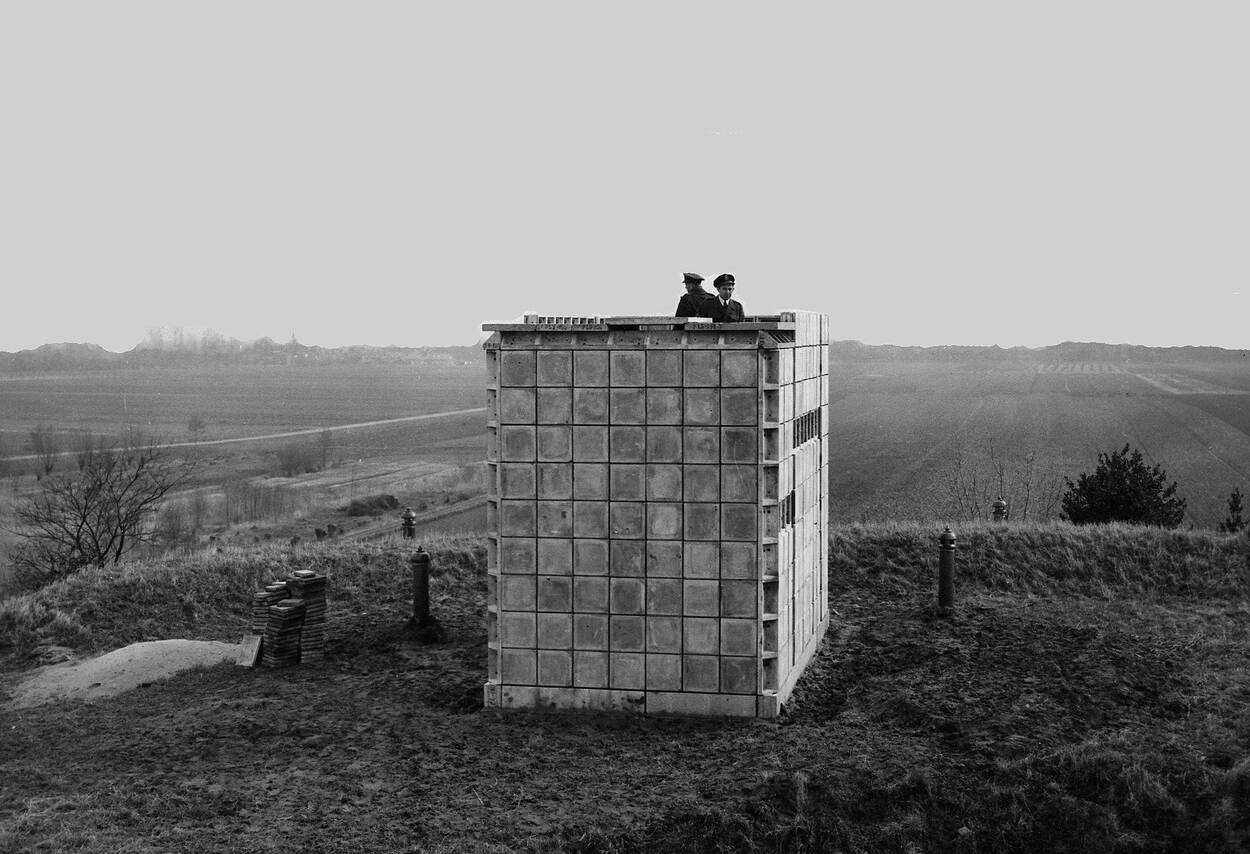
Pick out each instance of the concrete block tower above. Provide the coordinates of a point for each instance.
(658, 503)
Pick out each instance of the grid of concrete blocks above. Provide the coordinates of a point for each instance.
(658, 505)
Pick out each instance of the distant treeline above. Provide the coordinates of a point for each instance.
(1068, 351)
(160, 351)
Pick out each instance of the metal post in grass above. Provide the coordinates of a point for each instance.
(408, 524)
(946, 570)
(1000, 510)
(421, 587)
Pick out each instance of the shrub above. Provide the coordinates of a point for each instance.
(1123, 489)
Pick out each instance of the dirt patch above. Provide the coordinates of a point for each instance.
(116, 672)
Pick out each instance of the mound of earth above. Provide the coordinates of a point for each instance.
(116, 671)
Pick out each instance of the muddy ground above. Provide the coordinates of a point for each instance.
(1042, 724)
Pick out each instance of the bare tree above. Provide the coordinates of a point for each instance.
(975, 479)
(96, 515)
(45, 446)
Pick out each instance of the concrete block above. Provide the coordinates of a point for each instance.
(590, 481)
(702, 521)
(701, 635)
(590, 444)
(664, 444)
(701, 482)
(517, 629)
(627, 444)
(664, 406)
(738, 445)
(699, 598)
(626, 633)
(517, 480)
(626, 519)
(627, 595)
(590, 368)
(516, 406)
(739, 367)
(664, 596)
(590, 631)
(590, 669)
(738, 560)
(515, 696)
(738, 675)
(739, 483)
(702, 407)
(518, 666)
(738, 599)
(555, 406)
(663, 672)
(590, 519)
(555, 481)
(664, 520)
(664, 634)
(664, 368)
(517, 592)
(739, 406)
(628, 406)
(555, 667)
(628, 368)
(701, 369)
(517, 518)
(717, 705)
(555, 367)
(517, 368)
(701, 560)
(590, 406)
(555, 593)
(663, 559)
(663, 482)
(627, 670)
(555, 444)
(590, 557)
(700, 673)
(555, 518)
(738, 521)
(517, 444)
(628, 482)
(590, 595)
(555, 631)
(555, 556)
(627, 558)
(738, 637)
(701, 444)
(517, 555)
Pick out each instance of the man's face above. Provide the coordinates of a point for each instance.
(726, 291)
(691, 287)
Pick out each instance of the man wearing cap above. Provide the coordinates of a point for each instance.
(696, 302)
(725, 309)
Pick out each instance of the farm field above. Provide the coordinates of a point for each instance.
(898, 423)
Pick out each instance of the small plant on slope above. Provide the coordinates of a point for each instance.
(1123, 489)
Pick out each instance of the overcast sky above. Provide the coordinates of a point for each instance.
(398, 173)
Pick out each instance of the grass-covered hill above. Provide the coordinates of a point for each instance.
(1089, 693)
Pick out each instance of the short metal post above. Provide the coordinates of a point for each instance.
(946, 570)
(421, 587)
(408, 524)
(1000, 510)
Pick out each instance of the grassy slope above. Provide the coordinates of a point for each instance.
(1089, 694)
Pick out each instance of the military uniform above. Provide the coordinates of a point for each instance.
(696, 302)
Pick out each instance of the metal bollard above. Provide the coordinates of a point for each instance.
(946, 569)
(421, 587)
(1000, 510)
(408, 524)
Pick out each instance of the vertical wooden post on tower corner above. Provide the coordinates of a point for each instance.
(421, 587)
(946, 570)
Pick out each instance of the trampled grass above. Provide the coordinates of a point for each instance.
(1088, 694)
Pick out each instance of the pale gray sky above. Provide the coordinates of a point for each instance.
(398, 173)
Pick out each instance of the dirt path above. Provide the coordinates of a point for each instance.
(312, 431)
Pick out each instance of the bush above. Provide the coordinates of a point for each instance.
(1123, 489)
